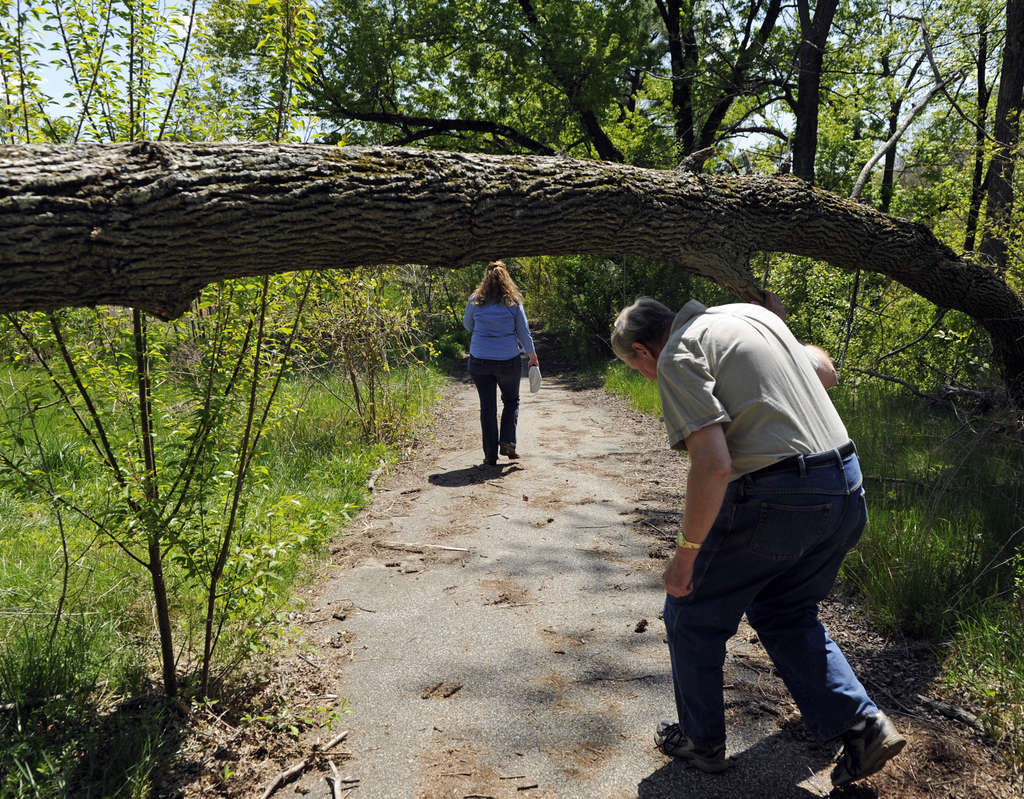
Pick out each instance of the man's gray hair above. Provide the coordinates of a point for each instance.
(646, 321)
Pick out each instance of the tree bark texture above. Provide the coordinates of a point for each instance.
(148, 225)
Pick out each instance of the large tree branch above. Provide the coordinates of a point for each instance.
(148, 225)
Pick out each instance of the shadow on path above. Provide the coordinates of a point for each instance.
(776, 767)
(471, 475)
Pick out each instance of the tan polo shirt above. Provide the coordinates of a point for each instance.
(740, 366)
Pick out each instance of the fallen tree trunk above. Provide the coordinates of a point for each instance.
(148, 225)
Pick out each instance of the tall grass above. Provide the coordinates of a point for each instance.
(985, 662)
(942, 557)
(946, 499)
(629, 384)
(63, 729)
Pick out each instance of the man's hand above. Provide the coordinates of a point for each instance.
(823, 366)
(710, 471)
(678, 577)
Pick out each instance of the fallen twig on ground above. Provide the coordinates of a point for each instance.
(950, 711)
(337, 739)
(373, 477)
(297, 768)
(353, 604)
(284, 776)
(418, 548)
(658, 529)
(334, 780)
(307, 660)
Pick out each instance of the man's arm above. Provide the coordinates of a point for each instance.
(710, 471)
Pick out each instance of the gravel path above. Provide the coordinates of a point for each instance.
(535, 657)
(497, 633)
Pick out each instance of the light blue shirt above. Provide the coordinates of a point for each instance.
(498, 330)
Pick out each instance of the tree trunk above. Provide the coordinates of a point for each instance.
(810, 55)
(683, 55)
(1006, 131)
(148, 225)
(889, 165)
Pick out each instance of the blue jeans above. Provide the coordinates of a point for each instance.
(488, 376)
(773, 552)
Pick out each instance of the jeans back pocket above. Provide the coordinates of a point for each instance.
(787, 531)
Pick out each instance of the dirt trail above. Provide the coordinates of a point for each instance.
(527, 658)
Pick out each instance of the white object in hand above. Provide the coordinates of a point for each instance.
(534, 379)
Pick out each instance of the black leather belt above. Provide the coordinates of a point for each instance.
(792, 464)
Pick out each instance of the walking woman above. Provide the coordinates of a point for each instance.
(494, 315)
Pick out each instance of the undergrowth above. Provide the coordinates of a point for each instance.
(80, 709)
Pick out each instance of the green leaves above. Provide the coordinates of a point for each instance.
(263, 52)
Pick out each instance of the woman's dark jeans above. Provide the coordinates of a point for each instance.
(490, 375)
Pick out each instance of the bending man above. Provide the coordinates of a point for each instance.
(773, 504)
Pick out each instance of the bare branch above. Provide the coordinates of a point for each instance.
(903, 347)
(862, 178)
(938, 79)
(428, 127)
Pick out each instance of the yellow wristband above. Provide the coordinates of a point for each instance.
(685, 544)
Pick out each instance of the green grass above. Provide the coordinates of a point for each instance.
(946, 504)
(310, 480)
(942, 557)
(54, 740)
(986, 663)
(632, 386)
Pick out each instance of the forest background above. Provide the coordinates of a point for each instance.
(165, 486)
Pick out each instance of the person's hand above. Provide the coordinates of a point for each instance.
(533, 360)
(823, 366)
(678, 576)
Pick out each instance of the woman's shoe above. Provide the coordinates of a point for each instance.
(508, 450)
